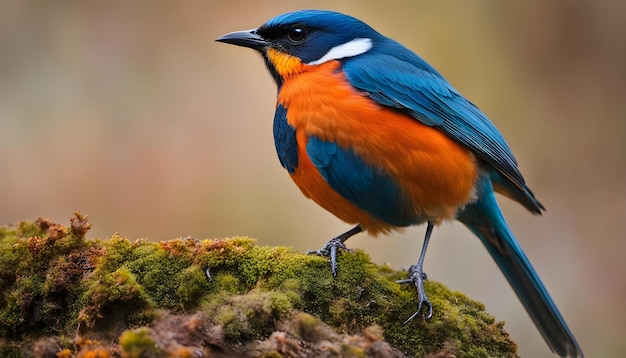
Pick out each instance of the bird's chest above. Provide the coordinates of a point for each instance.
(381, 160)
(319, 103)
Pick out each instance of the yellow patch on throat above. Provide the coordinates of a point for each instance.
(286, 65)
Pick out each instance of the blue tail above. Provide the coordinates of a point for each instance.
(484, 219)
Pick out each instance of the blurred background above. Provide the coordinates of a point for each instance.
(130, 113)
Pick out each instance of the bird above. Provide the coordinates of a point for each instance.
(375, 135)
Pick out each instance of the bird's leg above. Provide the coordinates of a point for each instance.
(330, 248)
(417, 277)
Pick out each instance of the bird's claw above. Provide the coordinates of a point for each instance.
(330, 249)
(417, 277)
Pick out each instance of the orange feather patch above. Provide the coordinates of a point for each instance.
(285, 64)
(434, 172)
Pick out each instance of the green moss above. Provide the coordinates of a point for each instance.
(41, 265)
(10, 350)
(272, 354)
(53, 282)
(251, 316)
(138, 344)
(195, 286)
(116, 296)
(308, 327)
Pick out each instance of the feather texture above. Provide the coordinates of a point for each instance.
(406, 82)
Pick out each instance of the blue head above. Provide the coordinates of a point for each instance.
(311, 36)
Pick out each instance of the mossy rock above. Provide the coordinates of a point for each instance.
(62, 295)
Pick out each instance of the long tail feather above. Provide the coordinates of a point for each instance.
(485, 219)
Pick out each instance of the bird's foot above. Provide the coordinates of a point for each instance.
(330, 249)
(417, 277)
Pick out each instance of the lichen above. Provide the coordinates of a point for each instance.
(62, 293)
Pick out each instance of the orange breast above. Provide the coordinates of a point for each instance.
(435, 174)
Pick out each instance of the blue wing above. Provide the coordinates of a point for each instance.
(365, 187)
(285, 140)
(395, 77)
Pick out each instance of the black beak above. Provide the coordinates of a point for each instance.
(248, 38)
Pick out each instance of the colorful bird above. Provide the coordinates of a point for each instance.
(375, 135)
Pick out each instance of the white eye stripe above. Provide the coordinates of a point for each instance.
(349, 49)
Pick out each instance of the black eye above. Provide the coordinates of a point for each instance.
(297, 34)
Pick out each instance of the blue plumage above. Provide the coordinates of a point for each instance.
(404, 81)
(395, 77)
(364, 186)
(285, 140)
(343, 27)
(484, 218)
